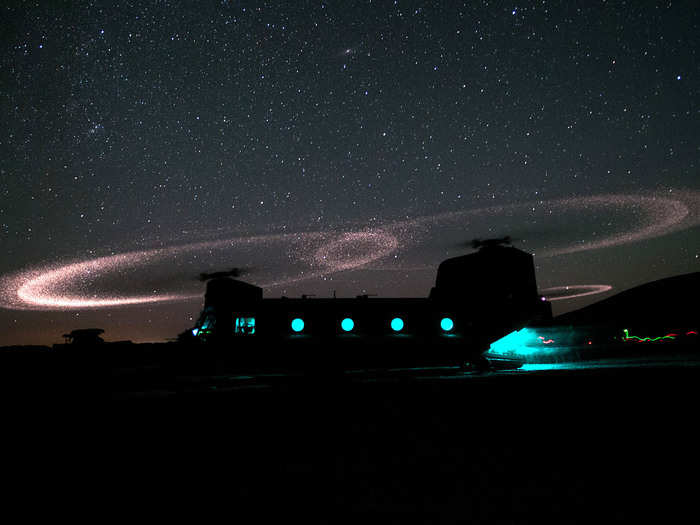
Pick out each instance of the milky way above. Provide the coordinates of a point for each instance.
(311, 255)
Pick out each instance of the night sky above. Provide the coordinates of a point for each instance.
(347, 146)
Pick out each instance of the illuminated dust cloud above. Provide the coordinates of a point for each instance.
(167, 274)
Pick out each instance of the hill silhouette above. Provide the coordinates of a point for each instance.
(673, 301)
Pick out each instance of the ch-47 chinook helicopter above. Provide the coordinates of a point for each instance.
(477, 299)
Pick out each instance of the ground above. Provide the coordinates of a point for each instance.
(603, 440)
(430, 446)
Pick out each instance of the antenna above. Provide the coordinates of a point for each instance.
(233, 272)
(490, 243)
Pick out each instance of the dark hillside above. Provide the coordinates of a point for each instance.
(674, 301)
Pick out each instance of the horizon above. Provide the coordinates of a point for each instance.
(345, 147)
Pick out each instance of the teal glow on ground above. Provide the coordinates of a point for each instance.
(524, 343)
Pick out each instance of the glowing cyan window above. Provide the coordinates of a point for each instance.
(447, 324)
(244, 325)
(397, 324)
(297, 324)
(347, 324)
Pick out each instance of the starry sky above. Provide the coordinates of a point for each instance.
(344, 146)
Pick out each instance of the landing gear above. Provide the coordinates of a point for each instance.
(478, 364)
(481, 364)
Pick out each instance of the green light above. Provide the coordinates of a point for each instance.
(297, 324)
(628, 337)
(447, 324)
(347, 324)
(397, 324)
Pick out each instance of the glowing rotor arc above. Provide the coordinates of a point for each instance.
(573, 291)
(39, 289)
(58, 287)
(66, 286)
